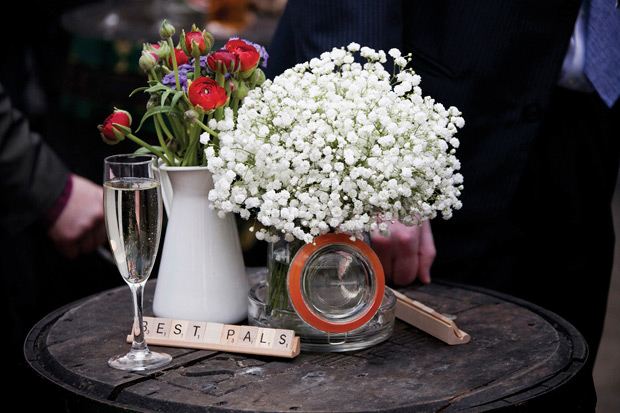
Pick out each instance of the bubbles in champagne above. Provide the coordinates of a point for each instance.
(133, 221)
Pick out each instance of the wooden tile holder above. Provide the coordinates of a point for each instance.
(280, 342)
(220, 337)
(428, 320)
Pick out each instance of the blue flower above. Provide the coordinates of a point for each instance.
(170, 81)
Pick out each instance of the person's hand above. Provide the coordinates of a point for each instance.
(80, 227)
(407, 254)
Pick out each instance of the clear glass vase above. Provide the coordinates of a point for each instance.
(322, 300)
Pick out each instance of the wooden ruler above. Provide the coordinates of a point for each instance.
(428, 320)
(220, 337)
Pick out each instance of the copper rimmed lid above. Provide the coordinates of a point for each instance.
(336, 284)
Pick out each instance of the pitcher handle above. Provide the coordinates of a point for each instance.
(166, 186)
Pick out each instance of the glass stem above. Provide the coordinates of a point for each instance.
(139, 343)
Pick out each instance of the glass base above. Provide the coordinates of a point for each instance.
(378, 329)
(139, 361)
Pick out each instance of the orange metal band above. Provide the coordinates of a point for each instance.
(294, 283)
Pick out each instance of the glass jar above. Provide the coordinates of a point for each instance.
(331, 293)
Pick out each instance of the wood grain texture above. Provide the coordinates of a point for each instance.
(520, 358)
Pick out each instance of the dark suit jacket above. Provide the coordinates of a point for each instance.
(497, 61)
(539, 162)
(32, 176)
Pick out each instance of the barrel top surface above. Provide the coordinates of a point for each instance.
(517, 353)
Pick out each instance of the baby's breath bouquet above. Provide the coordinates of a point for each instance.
(335, 145)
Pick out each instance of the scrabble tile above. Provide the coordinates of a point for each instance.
(230, 334)
(178, 329)
(195, 331)
(213, 333)
(161, 327)
(283, 339)
(265, 337)
(247, 336)
(147, 323)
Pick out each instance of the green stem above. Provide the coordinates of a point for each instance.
(153, 75)
(149, 147)
(206, 128)
(159, 125)
(197, 68)
(219, 113)
(278, 297)
(164, 128)
(219, 78)
(174, 63)
(178, 128)
(191, 154)
(235, 105)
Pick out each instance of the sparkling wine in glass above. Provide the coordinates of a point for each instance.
(133, 217)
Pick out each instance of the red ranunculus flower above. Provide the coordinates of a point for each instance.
(181, 57)
(207, 94)
(110, 133)
(198, 38)
(223, 61)
(247, 53)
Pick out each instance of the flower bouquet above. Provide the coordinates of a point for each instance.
(191, 88)
(337, 144)
(194, 92)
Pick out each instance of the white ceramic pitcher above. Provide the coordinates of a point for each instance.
(201, 274)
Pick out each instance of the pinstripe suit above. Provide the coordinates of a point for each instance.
(539, 162)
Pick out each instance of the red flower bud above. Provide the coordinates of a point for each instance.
(161, 50)
(259, 77)
(223, 61)
(109, 132)
(205, 93)
(197, 37)
(181, 57)
(152, 49)
(148, 60)
(231, 85)
(247, 53)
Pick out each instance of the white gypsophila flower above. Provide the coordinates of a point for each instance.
(205, 137)
(337, 145)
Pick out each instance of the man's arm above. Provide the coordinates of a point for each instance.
(36, 187)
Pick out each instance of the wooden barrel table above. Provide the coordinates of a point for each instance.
(520, 358)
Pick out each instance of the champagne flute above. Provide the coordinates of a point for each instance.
(133, 217)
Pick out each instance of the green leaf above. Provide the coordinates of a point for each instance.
(140, 89)
(176, 98)
(165, 95)
(153, 111)
(142, 149)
